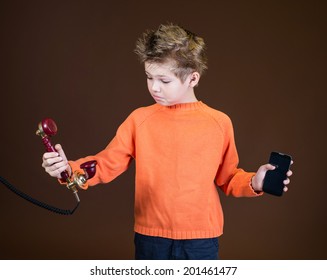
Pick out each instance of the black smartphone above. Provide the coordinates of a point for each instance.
(273, 181)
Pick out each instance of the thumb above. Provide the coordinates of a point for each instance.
(257, 181)
(264, 168)
(61, 152)
(269, 166)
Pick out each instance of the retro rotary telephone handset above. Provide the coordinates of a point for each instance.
(46, 129)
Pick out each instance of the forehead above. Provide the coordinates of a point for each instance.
(160, 69)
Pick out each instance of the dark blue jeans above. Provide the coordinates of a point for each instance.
(159, 248)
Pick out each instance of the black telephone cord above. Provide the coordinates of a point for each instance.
(36, 202)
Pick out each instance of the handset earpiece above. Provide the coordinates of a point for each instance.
(47, 127)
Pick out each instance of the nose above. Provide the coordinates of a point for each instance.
(155, 86)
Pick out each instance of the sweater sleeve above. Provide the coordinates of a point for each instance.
(231, 179)
(114, 159)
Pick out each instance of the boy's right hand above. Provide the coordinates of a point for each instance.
(55, 163)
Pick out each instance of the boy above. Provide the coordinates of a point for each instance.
(183, 150)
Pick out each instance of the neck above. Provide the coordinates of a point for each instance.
(189, 97)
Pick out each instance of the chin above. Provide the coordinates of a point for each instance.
(162, 103)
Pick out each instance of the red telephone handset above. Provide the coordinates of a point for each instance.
(48, 128)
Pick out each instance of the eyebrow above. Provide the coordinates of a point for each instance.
(159, 76)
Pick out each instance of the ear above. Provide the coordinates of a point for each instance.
(194, 79)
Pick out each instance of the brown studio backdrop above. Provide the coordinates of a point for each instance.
(74, 62)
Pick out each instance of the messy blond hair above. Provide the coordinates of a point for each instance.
(173, 43)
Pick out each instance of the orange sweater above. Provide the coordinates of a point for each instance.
(182, 152)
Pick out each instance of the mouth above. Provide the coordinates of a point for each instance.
(157, 97)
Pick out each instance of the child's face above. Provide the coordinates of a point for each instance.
(165, 87)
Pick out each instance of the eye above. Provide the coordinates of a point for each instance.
(149, 78)
(165, 81)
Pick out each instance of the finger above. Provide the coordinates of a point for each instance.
(285, 189)
(289, 173)
(49, 155)
(60, 165)
(57, 172)
(56, 165)
(287, 181)
(51, 161)
(58, 147)
(61, 152)
(55, 169)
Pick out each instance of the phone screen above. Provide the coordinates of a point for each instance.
(273, 181)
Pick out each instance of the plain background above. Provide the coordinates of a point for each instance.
(74, 62)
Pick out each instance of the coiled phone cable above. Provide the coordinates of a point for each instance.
(35, 201)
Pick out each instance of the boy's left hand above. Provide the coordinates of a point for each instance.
(257, 179)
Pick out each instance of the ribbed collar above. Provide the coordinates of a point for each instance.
(183, 106)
